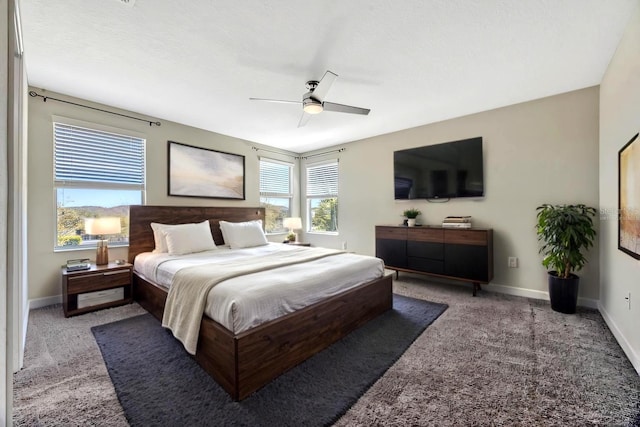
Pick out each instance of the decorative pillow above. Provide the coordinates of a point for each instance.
(243, 234)
(183, 239)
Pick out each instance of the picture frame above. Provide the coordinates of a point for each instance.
(629, 198)
(203, 172)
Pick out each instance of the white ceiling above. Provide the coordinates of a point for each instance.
(197, 62)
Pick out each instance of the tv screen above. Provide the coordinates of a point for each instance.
(440, 171)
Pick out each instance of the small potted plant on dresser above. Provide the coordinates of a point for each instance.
(411, 215)
(565, 232)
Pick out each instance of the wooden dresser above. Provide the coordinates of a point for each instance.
(464, 254)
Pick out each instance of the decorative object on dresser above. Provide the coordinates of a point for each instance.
(292, 223)
(100, 286)
(452, 253)
(565, 231)
(411, 215)
(101, 227)
(457, 222)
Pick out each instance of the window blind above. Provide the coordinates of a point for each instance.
(322, 180)
(89, 155)
(275, 179)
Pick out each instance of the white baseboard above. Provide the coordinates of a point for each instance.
(43, 302)
(634, 358)
(535, 294)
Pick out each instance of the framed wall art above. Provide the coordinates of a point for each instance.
(202, 172)
(629, 198)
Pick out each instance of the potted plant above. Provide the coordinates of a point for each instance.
(565, 232)
(411, 215)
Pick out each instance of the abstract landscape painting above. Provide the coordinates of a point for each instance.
(200, 172)
(629, 198)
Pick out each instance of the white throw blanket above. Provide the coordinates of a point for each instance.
(188, 294)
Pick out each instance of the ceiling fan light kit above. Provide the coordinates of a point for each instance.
(313, 101)
(312, 106)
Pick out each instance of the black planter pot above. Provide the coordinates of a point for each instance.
(563, 293)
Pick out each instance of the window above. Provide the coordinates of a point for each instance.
(322, 197)
(275, 193)
(97, 174)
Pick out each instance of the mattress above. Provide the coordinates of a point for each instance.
(244, 302)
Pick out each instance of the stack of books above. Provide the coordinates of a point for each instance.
(457, 222)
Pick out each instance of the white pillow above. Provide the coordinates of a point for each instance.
(243, 234)
(189, 238)
(158, 236)
(183, 239)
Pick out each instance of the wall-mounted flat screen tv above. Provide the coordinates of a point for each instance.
(440, 171)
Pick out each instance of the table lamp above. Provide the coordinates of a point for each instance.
(292, 223)
(100, 227)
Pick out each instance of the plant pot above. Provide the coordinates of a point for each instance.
(563, 293)
(411, 222)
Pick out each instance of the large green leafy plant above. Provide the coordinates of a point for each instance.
(565, 231)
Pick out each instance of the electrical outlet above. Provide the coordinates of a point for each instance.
(344, 246)
(513, 262)
(628, 298)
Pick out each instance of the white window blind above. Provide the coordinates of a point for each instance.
(322, 180)
(275, 179)
(89, 155)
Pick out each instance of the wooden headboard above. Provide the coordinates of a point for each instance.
(140, 218)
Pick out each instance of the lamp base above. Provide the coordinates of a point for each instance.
(102, 253)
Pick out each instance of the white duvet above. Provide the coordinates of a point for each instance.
(244, 302)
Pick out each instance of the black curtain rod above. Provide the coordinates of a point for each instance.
(33, 94)
(275, 152)
(340, 150)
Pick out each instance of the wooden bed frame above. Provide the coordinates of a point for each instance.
(242, 363)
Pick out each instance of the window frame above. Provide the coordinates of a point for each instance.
(308, 198)
(276, 195)
(91, 185)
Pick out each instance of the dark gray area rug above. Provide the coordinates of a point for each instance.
(158, 383)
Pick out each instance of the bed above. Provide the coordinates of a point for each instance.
(242, 362)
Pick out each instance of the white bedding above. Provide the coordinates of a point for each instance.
(244, 302)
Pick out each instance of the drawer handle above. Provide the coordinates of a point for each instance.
(111, 273)
(84, 276)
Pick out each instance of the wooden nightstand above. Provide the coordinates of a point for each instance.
(298, 244)
(87, 283)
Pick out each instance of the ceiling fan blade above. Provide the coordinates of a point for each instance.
(324, 85)
(340, 108)
(275, 100)
(304, 119)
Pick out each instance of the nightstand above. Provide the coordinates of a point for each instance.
(298, 244)
(101, 286)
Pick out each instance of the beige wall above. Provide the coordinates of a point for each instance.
(619, 121)
(544, 151)
(536, 152)
(44, 263)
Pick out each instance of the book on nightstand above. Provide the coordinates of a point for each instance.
(78, 264)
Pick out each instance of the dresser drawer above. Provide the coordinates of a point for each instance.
(466, 237)
(98, 280)
(420, 234)
(396, 233)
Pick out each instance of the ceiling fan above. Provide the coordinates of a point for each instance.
(313, 101)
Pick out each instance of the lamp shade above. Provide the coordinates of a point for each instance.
(293, 223)
(102, 226)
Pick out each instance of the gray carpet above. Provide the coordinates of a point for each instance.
(160, 384)
(491, 360)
